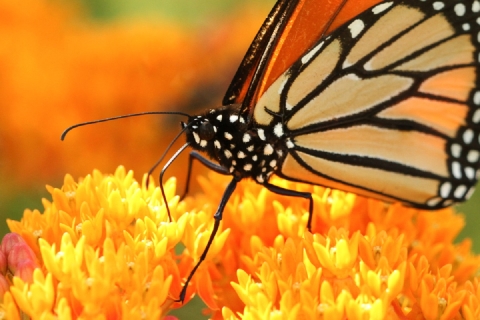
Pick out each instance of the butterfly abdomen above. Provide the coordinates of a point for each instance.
(242, 149)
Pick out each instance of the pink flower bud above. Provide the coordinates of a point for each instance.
(24, 270)
(19, 254)
(9, 240)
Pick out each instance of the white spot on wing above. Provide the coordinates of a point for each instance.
(227, 153)
(219, 117)
(278, 130)
(250, 148)
(460, 191)
(470, 173)
(382, 7)
(255, 158)
(456, 150)
(468, 136)
(476, 96)
(233, 118)
(228, 136)
(273, 163)
(260, 179)
(241, 155)
(356, 27)
(203, 143)
(459, 9)
(445, 189)
(433, 201)
(290, 144)
(217, 144)
(310, 54)
(466, 26)
(473, 156)
(456, 170)
(246, 138)
(438, 5)
(247, 167)
(476, 6)
(476, 116)
(261, 134)
(268, 150)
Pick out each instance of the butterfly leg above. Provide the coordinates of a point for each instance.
(207, 163)
(293, 193)
(218, 217)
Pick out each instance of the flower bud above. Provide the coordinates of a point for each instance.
(9, 240)
(24, 270)
(20, 253)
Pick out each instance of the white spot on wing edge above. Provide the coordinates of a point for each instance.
(456, 150)
(476, 96)
(468, 136)
(457, 170)
(473, 156)
(438, 5)
(460, 191)
(476, 116)
(356, 27)
(470, 173)
(382, 7)
(445, 189)
(306, 58)
(476, 6)
(433, 201)
(460, 9)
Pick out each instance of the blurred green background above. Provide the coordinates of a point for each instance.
(197, 18)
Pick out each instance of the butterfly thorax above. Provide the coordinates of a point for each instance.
(244, 150)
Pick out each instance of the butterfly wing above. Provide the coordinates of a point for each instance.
(290, 29)
(387, 106)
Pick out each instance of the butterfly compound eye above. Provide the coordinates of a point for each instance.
(205, 131)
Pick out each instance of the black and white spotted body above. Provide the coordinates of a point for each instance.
(243, 150)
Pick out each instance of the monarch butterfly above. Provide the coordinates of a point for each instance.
(380, 98)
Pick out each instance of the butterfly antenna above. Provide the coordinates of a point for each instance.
(62, 137)
(168, 164)
(170, 161)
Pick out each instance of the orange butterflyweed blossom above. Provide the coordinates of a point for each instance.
(106, 249)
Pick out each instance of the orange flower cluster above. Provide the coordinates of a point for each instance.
(107, 250)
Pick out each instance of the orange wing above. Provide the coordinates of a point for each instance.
(387, 106)
(291, 28)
